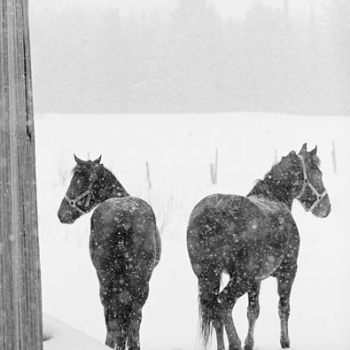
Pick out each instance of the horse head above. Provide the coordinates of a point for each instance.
(313, 195)
(82, 195)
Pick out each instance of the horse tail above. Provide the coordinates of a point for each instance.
(208, 290)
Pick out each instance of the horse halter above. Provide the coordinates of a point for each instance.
(307, 183)
(74, 202)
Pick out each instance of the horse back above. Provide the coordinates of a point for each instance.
(124, 237)
(226, 228)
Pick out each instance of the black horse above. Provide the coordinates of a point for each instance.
(124, 246)
(251, 238)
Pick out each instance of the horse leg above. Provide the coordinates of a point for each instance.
(234, 289)
(252, 313)
(139, 295)
(110, 317)
(209, 287)
(116, 332)
(116, 335)
(227, 303)
(134, 332)
(219, 330)
(111, 331)
(285, 280)
(121, 341)
(232, 335)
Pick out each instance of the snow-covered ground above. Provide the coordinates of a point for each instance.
(60, 336)
(179, 149)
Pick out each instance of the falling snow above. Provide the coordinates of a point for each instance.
(320, 308)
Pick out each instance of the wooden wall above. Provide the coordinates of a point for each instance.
(20, 287)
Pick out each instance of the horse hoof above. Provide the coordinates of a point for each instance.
(248, 347)
(235, 347)
(285, 344)
(110, 343)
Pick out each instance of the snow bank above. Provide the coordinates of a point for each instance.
(64, 337)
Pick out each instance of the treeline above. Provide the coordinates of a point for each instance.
(193, 61)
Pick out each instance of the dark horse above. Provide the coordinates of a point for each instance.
(124, 246)
(251, 238)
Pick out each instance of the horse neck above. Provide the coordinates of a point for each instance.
(276, 188)
(118, 191)
(113, 188)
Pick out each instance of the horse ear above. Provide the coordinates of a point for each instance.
(98, 160)
(79, 161)
(314, 151)
(303, 149)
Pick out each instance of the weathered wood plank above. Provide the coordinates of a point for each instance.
(20, 289)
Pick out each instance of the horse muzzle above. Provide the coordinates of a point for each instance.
(66, 214)
(323, 208)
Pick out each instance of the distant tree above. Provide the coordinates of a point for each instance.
(192, 60)
(337, 14)
(61, 63)
(196, 52)
(315, 79)
(269, 53)
(105, 71)
(74, 58)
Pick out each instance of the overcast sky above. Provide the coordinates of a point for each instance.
(227, 8)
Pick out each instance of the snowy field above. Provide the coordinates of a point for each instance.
(179, 149)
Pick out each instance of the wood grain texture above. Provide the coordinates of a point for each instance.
(20, 286)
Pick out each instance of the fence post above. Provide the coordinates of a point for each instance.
(20, 286)
(148, 176)
(334, 158)
(214, 169)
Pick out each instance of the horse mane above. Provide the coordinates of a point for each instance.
(105, 173)
(276, 184)
(317, 160)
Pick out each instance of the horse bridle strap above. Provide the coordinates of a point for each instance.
(307, 183)
(74, 202)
